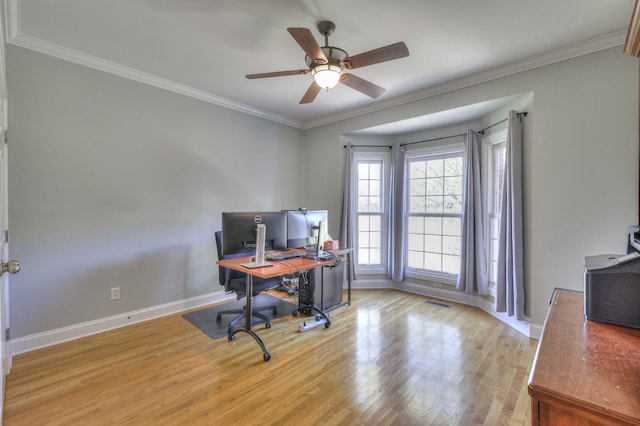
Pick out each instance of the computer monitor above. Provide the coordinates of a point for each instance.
(239, 231)
(303, 227)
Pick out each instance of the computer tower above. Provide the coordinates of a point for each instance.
(322, 287)
(306, 288)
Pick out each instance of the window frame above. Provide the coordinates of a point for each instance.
(490, 143)
(385, 158)
(435, 151)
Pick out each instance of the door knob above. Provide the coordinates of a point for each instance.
(12, 267)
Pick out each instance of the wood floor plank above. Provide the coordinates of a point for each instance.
(389, 358)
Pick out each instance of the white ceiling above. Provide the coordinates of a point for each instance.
(203, 48)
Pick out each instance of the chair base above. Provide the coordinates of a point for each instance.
(242, 314)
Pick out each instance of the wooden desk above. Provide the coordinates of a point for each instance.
(584, 372)
(278, 268)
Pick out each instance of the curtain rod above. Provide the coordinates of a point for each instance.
(520, 115)
(369, 146)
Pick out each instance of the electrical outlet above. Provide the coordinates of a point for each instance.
(115, 293)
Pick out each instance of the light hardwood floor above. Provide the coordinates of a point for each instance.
(389, 358)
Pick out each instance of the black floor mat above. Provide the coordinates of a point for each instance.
(205, 319)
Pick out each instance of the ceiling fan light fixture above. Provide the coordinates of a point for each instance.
(326, 75)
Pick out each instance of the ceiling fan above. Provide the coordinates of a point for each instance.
(327, 64)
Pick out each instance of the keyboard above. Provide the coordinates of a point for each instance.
(285, 256)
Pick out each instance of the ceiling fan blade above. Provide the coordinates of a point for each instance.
(361, 85)
(277, 73)
(307, 41)
(311, 94)
(375, 56)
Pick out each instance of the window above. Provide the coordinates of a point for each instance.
(434, 214)
(496, 156)
(372, 182)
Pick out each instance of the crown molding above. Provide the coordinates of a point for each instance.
(15, 37)
(532, 62)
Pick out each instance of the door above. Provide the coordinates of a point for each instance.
(7, 267)
(5, 354)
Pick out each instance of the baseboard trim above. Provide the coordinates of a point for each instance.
(77, 331)
(533, 331)
(65, 334)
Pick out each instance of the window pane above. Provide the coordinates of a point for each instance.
(452, 203)
(363, 239)
(433, 225)
(453, 166)
(435, 168)
(433, 261)
(369, 239)
(435, 187)
(374, 257)
(417, 204)
(363, 171)
(435, 207)
(433, 243)
(370, 186)
(415, 259)
(451, 245)
(417, 187)
(415, 242)
(452, 226)
(451, 264)
(415, 225)
(363, 188)
(496, 190)
(435, 204)
(374, 188)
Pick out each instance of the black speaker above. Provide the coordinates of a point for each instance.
(612, 290)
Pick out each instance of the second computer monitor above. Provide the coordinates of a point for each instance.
(303, 227)
(239, 231)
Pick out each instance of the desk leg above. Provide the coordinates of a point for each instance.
(247, 326)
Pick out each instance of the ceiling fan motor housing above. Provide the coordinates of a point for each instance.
(334, 55)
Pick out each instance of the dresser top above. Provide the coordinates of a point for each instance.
(582, 362)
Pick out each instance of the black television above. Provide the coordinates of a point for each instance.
(303, 227)
(239, 231)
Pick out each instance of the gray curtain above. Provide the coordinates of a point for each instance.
(510, 282)
(348, 216)
(473, 277)
(397, 212)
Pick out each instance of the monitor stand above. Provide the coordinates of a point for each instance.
(260, 244)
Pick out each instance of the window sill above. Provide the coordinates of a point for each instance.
(442, 278)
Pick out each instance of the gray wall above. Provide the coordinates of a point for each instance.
(580, 165)
(114, 183)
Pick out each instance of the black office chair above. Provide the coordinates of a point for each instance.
(236, 281)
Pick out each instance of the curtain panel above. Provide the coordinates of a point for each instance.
(397, 212)
(348, 216)
(473, 277)
(510, 296)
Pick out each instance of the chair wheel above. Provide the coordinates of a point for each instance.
(232, 337)
(327, 324)
(295, 313)
(266, 356)
(267, 324)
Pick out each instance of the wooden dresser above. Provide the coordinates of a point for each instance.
(584, 372)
